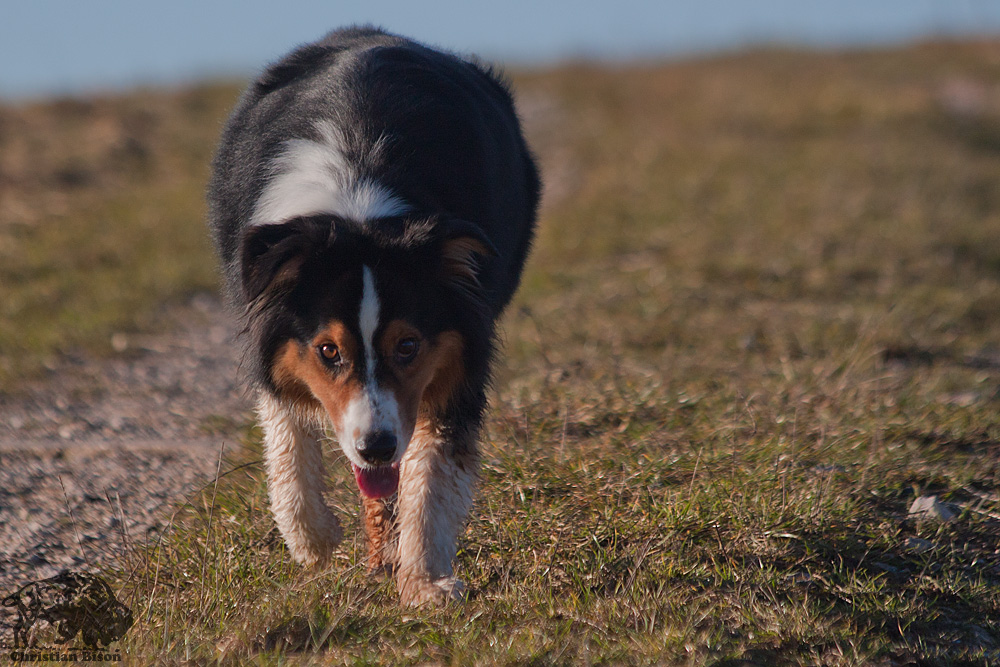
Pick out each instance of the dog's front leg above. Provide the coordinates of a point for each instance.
(293, 459)
(435, 495)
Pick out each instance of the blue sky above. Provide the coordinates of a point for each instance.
(66, 46)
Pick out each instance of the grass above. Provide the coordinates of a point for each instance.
(101, 220)
(762, 316)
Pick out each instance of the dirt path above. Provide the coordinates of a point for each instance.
(101, 449)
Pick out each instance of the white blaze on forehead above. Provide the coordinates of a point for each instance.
(368, 321)
(312, 177)
(375, 409)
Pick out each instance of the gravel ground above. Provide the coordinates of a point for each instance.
(102, 450)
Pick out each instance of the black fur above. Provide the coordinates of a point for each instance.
(455, 155)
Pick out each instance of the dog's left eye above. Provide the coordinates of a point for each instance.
(330, 353)
(406, 350)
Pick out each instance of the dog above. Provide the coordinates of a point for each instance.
(372, 202)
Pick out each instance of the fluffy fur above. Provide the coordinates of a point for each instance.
(373, 202)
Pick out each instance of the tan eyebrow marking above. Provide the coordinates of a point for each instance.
(301, 377)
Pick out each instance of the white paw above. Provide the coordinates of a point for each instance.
(312, 546)
(436, 592)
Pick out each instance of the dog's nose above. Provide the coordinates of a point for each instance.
(378, 447)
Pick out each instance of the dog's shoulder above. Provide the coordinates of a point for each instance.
(310, 58)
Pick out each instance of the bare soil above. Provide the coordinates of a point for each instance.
(94, 455)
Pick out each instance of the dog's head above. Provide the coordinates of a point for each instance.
(370, 326)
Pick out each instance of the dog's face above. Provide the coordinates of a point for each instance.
(372, 366)
(364, 330)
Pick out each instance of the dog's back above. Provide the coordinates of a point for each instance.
(418, 126)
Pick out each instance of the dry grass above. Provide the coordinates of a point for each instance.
(101, 219)
(763, 315)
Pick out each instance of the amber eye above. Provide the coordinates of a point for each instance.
(330, 353)
(406, 350)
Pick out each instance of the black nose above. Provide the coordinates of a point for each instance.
(378, 447)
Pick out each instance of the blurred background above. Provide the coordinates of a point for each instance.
(62, 46)
(762, 316)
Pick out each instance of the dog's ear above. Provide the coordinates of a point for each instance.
(272, 255)
(290, 68)
(463, 249)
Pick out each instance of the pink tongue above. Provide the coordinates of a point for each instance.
(377, 482)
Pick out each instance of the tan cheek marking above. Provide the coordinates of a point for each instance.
(428, 384)
(448, 370)
(301, 377)
(288, 376)
(338, 334)
(394, 332)
(404, 384)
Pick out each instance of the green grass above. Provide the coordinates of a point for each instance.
(762, 316)
(101, 220)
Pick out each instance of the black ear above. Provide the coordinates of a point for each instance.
(290, 68)
(272, 255)
(464, 247)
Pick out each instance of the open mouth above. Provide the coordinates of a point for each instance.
(378, 482)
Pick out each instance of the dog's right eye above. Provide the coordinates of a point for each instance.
(330, 353)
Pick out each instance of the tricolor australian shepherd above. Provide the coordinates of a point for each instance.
(373, 201)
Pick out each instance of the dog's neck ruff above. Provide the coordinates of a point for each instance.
(312, 177)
